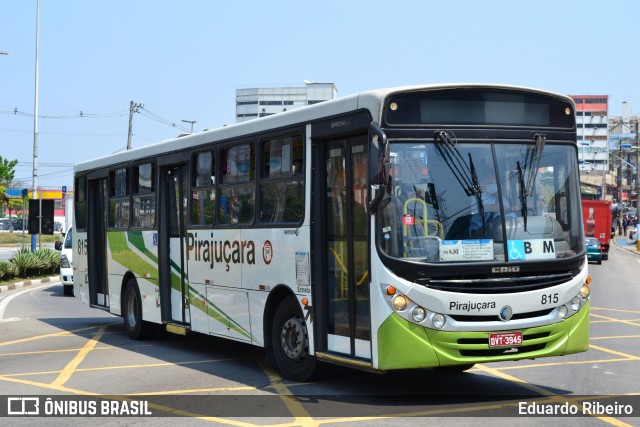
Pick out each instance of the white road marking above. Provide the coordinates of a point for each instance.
(5, 302)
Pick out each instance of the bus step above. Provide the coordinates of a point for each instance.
(178, 329)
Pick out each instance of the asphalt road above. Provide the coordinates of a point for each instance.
(50, 345)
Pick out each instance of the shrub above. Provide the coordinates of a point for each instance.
(7, 270)
(40, 261)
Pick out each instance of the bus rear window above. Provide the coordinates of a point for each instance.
(478, 107)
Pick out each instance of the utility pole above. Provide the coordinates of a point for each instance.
(132, 108)
(34, 191)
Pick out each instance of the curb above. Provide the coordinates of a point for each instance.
(633, 251)
(17, 285)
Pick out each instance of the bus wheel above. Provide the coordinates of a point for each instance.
(137, 328)
(290, 342)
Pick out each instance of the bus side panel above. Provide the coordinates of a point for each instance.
(218, 305)
(135, 252)
(281, 258)
(80, 264)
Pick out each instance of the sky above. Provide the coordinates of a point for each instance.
(184, 60)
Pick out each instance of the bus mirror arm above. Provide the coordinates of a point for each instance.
(375, 202)
(384, 176)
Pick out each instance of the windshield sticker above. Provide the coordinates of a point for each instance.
(408, 220)
(531, 249)
(466, 250)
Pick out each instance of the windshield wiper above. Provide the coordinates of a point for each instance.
(536, 154)
(446, 148)
(464, 173)
(532, 163)
(523, 195)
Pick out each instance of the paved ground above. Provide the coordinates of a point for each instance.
(623, 242)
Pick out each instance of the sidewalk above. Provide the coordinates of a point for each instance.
(623, 242)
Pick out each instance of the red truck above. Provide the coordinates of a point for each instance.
(596, 215)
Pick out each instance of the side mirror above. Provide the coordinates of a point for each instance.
(383, 173)
(58, 245)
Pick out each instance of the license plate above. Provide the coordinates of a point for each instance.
(505, 339)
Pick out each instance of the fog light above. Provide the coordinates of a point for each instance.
(419, 314)
(585, 292)
(563, 311)
(438, 321)
(575, 303)
(400, 302)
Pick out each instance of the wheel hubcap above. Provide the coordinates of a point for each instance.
(294, 338)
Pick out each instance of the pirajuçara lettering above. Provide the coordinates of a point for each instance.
(471, 306)
(215, 252)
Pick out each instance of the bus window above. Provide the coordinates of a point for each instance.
(282, 183)
(80, 204)
(144, 195)
(203, 193)
(119, 198)
(237, 193)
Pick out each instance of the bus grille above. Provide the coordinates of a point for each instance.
(493, 318)
(498, 285)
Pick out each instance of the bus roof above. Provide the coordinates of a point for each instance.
(371, 100)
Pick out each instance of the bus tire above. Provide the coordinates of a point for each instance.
(290, 342)
(137, 328)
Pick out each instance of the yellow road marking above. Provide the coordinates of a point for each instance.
(611, 319)
(614, 309)
(84, 351)
(302, 417)
(612, 337)
(546, 393)
(56, 334)
(138, 366)
(617, 353)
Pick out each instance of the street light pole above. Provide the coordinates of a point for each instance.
(190, 121)
(34, 191)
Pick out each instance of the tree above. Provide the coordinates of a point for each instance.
(7, 171)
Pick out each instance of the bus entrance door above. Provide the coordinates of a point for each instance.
(174, 289)
(97, 244)
(346, 265)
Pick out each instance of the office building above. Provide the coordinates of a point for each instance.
(255, 102)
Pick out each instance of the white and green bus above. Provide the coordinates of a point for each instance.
(415, 227)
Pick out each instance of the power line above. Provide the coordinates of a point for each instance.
(81, 114)
(153, 116)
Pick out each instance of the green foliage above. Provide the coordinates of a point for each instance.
(7, 270)
(7, 170)
(38, 262)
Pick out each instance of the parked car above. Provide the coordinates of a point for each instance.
(594, 250)
(633, 235)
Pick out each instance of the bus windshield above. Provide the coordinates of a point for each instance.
(453, 201)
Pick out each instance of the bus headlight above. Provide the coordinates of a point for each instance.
(585, 292)
(419, 314)
(400, 302)
(438, 321)
(575, 303)
(563, 311)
